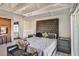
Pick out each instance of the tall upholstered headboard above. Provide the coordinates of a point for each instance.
(50, 26)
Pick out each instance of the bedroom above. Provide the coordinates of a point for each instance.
(47, 19)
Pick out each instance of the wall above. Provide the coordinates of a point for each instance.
(64, 21)
(6, 22)
(27, 28)
(20, 20)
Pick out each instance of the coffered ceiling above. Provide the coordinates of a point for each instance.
(31, 9)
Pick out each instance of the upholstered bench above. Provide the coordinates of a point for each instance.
(15, 51)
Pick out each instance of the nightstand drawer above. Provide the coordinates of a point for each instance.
(63, 43)
(64, 49)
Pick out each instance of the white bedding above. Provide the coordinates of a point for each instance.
(44, 46)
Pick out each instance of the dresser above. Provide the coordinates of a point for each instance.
(64, 45)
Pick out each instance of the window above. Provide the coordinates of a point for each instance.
(16, 27)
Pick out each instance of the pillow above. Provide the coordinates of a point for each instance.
(52, 35)
(45, 34)
(39, 34)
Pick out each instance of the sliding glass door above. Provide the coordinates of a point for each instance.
(75, 33)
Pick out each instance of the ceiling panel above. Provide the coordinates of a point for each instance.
(34, 7)
(9, 6)
(25, 8)
(20, 5)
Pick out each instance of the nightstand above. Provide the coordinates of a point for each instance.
(64, 45)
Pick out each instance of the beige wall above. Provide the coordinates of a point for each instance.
(64, 25)
(20, 20)
(64, 22)
(27, 28)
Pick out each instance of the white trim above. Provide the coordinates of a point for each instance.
(72, 51)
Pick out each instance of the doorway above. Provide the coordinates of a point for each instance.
(5, 30)
(75, 32)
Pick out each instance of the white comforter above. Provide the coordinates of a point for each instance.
(44, 46)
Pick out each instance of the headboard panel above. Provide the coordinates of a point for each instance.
(50, 26)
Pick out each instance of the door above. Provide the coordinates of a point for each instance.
(75, 33)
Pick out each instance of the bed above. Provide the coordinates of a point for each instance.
(44, 46)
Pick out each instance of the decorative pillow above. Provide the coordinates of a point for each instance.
(52, 35)
(39, 34)
(45, 34)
